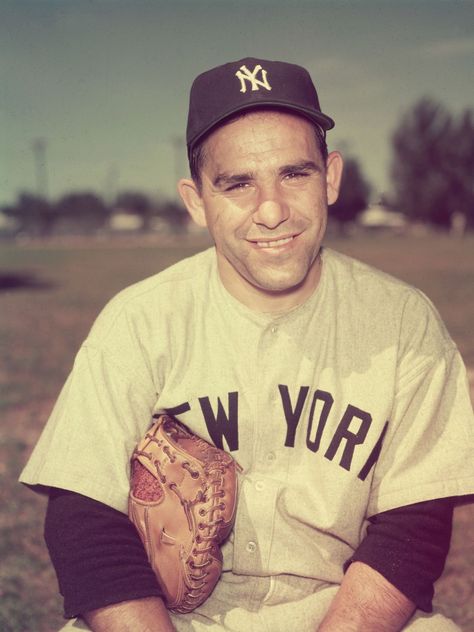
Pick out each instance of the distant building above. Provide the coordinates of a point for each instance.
(376, 216)
(8, 225)
(125, 222)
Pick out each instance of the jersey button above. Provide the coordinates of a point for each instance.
(259, 486)
(271, 457)
(274, 329)
(251, 547)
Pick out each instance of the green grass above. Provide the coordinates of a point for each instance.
(41, 329)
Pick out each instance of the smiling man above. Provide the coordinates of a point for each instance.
(336, 387)
(263, 193)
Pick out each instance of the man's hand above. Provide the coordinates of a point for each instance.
(367, 602)
(139, 615)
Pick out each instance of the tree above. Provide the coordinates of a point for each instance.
(173, 213)
(432, 164)
(353, 195)
(34, 214)
(136, 203)
(84, 211)
(461, 159)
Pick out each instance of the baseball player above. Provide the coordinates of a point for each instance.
(336, 388)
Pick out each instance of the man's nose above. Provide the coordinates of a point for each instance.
(272, 209)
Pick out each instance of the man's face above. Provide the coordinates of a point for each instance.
(264, 198)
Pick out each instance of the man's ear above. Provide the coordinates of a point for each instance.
(192, 199)
(334, 167)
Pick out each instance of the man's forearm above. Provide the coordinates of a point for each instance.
(139, 615)
(367, 602)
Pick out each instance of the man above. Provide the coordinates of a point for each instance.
(336, 388)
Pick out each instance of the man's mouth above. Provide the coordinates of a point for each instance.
(273, 243)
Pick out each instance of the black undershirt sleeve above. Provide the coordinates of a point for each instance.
(100, 560)
(97, 554)
(409, 546)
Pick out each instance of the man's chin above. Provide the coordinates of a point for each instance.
(280, 281)
(279, 284)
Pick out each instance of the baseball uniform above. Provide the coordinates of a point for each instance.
(351, 404)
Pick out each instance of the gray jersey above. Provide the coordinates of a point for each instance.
(352, 403)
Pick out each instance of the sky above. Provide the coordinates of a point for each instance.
(104, 84)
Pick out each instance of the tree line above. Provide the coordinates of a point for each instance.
(433, 165)
(432, 170)
(432, 182)
(86, 212)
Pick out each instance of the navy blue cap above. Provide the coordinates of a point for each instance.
(249, 84)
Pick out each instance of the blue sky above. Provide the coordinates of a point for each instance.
(106, 82)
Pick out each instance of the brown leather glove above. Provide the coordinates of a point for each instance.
(182, 501)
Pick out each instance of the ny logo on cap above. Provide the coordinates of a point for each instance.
(244, 75)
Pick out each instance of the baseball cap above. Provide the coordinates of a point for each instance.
(248, 84)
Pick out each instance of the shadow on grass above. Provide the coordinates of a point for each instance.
(23, 280)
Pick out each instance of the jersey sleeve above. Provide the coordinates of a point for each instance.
(104, 408)
(408, 546)
(427, 452)
(94, 571)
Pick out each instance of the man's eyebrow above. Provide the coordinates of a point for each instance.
(229, 179)
(304, 165)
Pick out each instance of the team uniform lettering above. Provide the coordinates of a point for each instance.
(177, 410)
(244, 74)
(374, 455)
(322, 402)
(222, 422)
(351, 438)
(292, 416)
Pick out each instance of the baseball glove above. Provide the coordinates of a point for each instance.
(182, 501)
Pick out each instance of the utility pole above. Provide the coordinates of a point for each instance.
(39, 153)
(111, 184)
(178, 144)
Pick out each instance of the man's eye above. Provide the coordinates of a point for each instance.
(238, 186)
(296, 174)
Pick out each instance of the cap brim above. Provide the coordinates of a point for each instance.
(324, 121)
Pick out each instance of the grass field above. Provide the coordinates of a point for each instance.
(50, 296)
